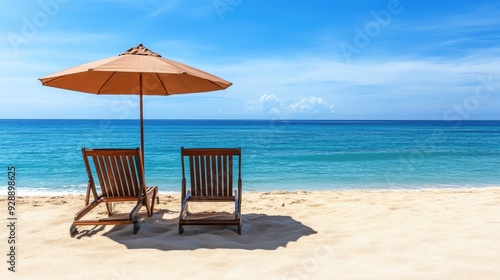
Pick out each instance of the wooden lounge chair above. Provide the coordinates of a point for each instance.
(210, 180)
(121, 177)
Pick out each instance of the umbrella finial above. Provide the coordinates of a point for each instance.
(140, 50)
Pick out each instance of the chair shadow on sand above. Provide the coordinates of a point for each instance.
(259, 231)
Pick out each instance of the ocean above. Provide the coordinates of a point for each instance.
(276, 154)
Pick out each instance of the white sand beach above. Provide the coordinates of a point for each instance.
(353, 234)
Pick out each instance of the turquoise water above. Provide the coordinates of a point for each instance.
(286, 155)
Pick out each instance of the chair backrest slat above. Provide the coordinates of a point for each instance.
(116, 183)
(229, 189)
(126, 176)
(205, 179)
(102, 175)
(220, 174)
(110, 183)
(133, 184)
(198, 180)
(210, 170)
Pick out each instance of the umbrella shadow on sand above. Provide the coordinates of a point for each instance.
(259, 231)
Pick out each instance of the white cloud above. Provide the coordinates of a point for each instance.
(270, 104)
(266, 104)
(312, 105)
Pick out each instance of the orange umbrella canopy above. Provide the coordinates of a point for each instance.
(122, 75)
(136, 71)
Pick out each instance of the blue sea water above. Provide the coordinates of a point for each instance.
(277, 154)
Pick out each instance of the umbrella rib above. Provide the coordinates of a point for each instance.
(161, 83)
(106, 83)
(214, 83)
(49, 80)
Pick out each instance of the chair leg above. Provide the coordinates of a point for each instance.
(181, 229)
(72, 230)
(137, 226)
(110, 206)
(152, 205)
(239, 229)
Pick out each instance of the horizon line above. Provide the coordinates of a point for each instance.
(249, 119)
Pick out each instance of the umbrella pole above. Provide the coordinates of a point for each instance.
(142, 119)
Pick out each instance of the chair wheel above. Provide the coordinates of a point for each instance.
(137, 226)
(181, 229)
(72, 230)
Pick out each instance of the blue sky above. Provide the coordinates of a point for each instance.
(312, 59)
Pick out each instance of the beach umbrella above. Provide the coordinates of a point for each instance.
(137, 71)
